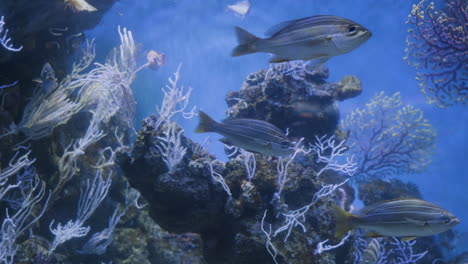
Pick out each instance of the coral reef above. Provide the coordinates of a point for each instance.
(47, 31)
(388, 138)
(70, 152)
(188, 200)
(377, 190)
(293, 96)
(182, 200)
(436, 46)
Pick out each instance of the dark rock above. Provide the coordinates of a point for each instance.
(348, 87)
(294, 98)
(178, 248)
(183, 200)
(377, 190)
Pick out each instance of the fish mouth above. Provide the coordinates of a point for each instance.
(455, 221)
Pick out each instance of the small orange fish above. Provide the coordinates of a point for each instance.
(155, 60)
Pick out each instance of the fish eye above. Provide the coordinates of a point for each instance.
(352, 30)
(445, 218)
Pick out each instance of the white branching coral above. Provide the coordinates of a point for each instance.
(108, 85)
(268, 244)
(217, 177)
(383, 251)
(322, 246)
(15, 165)
(14, 226)
(283, 165)
(175, 100)
(333, 161)
(4, 39)
(46, 111)
(248, 158)
(170, 146)
(297, 218)
(90, 199)
(104, 91)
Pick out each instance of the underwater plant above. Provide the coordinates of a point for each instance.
(297, 217)
(23, 218)
(45, 259)
(90, 199)
(5, 43)
(388, 138)
(385, 251)
(438, 44)
(175, 100)
(170, 147)
(4, 39)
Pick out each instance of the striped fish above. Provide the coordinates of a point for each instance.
(250, 134)
(315, 38)
(406, 218)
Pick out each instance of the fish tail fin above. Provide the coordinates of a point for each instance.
(205, 124)
(246, 41)
(343, 221)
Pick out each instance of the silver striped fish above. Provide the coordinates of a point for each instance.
(406, 218)
(250, 134)
(315, 38)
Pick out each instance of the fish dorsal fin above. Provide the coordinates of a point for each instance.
(407, 238)
(284, 26)
(278, 28)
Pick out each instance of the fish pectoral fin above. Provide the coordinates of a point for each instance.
(278, 59)
(417, 222)
(373, 234)
(37, 80)
(408, 238)
(264, 144)
(225, 141)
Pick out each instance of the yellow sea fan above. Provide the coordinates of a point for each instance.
(79, 5)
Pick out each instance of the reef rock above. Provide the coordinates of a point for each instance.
(187, 202)
(293, 96)
(184, 199)
(377, 190)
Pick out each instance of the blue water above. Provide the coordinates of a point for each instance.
(199, 34)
